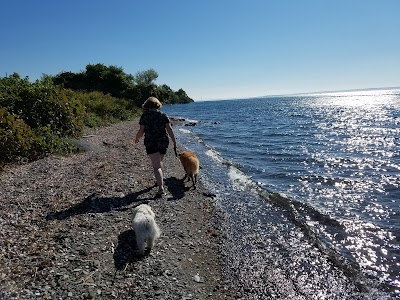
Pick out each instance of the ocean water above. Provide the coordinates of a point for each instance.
(310, 190)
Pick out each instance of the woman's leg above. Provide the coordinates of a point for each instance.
(156, 162)
(162, 163)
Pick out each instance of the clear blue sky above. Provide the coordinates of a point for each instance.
(213, 49)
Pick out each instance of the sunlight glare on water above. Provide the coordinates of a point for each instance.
(365, 99)
(359, 137)
(336, 153)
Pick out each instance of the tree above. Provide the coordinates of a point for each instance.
(181, 94)
(70, 80)
(146, 77)
(166, 94)
(47, 79)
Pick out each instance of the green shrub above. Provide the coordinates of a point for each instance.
(16, 138)
(54, 107)
(92, 120)
(51, 143)
(42, 104)
(36, 119)
(104, 109)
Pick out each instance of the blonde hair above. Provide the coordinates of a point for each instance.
(152, 102)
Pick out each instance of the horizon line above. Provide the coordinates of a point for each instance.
(304, 93)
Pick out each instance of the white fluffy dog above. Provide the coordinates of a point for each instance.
(145, 227)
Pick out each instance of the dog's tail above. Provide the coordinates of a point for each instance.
(157, 231)
(151, 226)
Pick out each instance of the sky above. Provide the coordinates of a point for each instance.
(212, 49)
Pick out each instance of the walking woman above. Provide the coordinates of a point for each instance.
(156, 128)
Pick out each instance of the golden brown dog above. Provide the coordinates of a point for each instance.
(191, 164)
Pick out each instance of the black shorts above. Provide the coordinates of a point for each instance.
(154, 150)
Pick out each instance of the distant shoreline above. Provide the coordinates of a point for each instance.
(346, 91)
(305, 93)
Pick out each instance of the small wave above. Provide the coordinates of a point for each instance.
(184, 130)
(191, 121)
(214, 155)
(182, 119)
(239, 179)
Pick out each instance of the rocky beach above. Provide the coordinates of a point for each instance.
(66, 228)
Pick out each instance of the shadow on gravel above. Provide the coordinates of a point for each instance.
(176, 187)
(97, 204)
(124, 253)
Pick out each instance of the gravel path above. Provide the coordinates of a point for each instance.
(66, 227)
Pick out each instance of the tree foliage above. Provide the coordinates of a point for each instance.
(41, 104)
(114, 81)
(146, 77)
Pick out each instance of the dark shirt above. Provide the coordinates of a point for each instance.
(155, 134)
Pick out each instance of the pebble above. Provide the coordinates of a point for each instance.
(197, 278)
(158, 292)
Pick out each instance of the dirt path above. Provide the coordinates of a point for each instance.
(66, 227)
